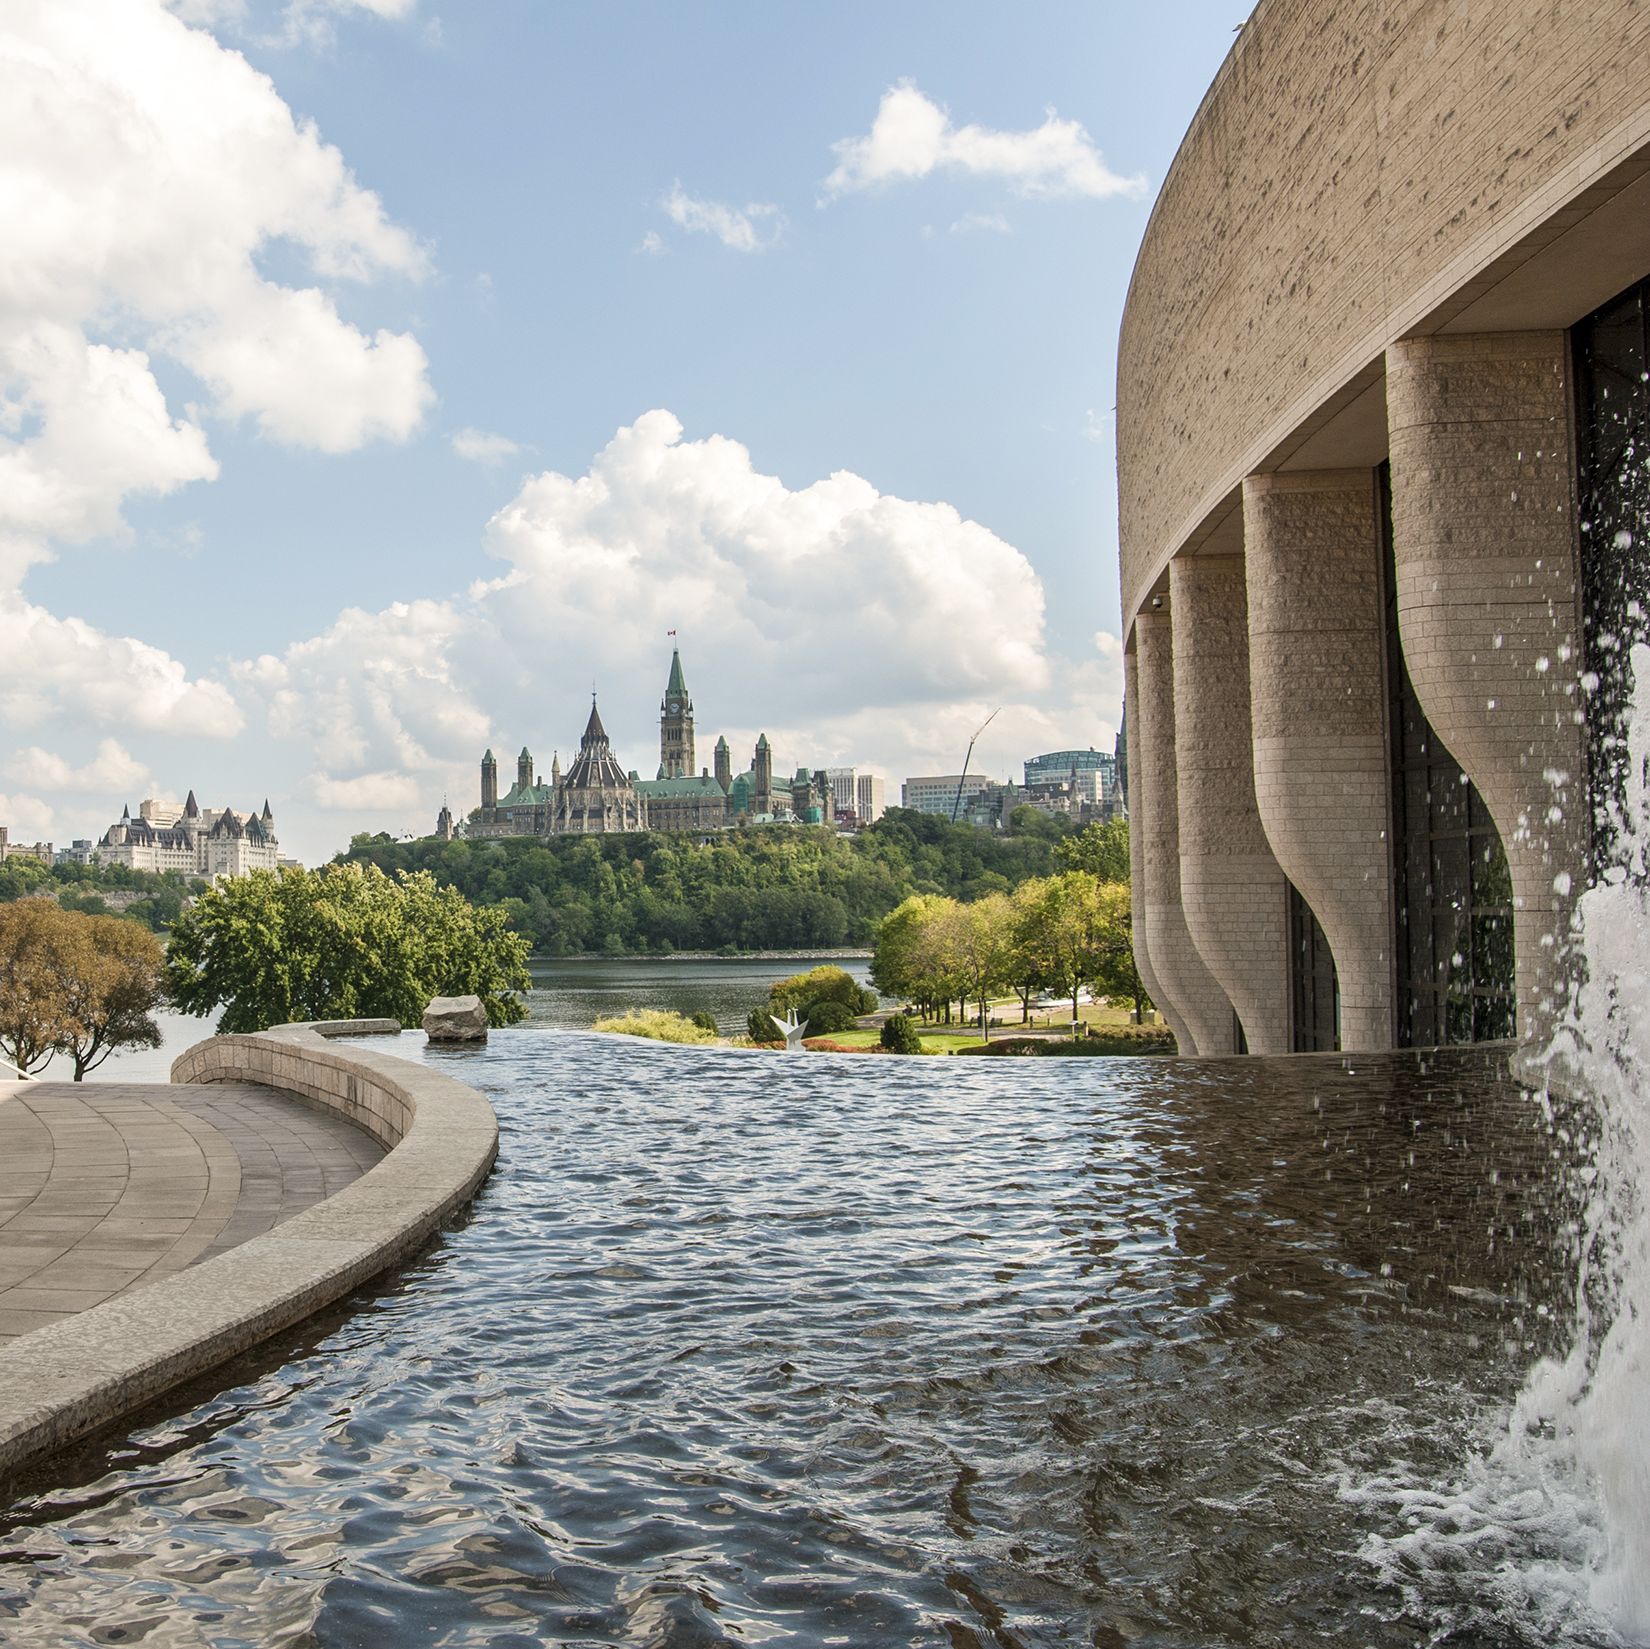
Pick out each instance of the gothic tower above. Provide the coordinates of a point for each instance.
(524, 769)
(676, 725)
(489, 781)
(724, 766)
(762, 774)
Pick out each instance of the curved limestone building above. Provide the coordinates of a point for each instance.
(1384, 489)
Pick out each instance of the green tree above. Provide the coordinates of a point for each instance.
(1062, 928)
(75, 984)
(1101, 848)
(1116, 972)
(114, 980)
(910, 961)
(33, 1014)
(342, 942)
(899, 1034)
(808, 991)
(976, 943)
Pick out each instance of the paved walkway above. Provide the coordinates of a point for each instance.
(106, 1185)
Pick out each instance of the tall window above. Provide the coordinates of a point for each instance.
(1315, 992)
(1612, 355)
(1452, 887)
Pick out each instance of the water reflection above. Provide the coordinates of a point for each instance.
(892, 1352)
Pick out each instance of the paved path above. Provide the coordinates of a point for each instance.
(106, 1185)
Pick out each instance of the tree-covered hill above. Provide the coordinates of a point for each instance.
(764, 888)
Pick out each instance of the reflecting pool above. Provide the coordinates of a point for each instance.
(741, 1348)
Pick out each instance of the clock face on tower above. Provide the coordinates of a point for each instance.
(675, 708)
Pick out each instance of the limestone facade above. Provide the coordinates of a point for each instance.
(1202, 1006)
(1372, 264)
(1319, 747)
(1232, 893)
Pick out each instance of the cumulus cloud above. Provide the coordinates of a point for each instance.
(849, 624)
(30, 819)
(71, 667)
(113, 769)
(481, 447)
(913, 137)
(145, 173)
(755, 227)
(370, 793)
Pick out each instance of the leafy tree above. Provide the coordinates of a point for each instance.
(1063, 928)
(1102, 849)
(33, 1014)
(907, 963)
(1116, 972)
(827, 1018)
(75, 984)
(976, 942)
(760, 1028)
(343, 942)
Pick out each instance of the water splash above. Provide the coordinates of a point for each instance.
(1592, 1409)
(1545, 1534)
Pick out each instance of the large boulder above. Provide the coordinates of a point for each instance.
(456, 1019)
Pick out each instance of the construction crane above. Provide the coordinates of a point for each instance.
(962, 778)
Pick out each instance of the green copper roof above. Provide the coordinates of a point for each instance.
(676, 684)
(700, 785)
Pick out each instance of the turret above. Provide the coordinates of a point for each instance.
(524, 769)
(489, 781)
(724, 766)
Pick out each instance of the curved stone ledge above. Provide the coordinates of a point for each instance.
(63, 1381)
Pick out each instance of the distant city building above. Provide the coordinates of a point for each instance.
(937, 792)
(78, 852)
(444, 824)
(1122, 758)
(207, 842)
(861, 797)
(19, 850)
(870, 798)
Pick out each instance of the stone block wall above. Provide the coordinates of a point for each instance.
(1232, 893)
(1318, 705)
(1182, 974)
(1483, 512)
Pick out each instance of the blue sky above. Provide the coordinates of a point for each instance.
(386, 511)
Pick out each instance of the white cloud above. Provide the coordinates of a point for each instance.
(145, 172)
(1099, 427)
(652, 244)
(29, 818)
(913, 137)
(982, 222)
(114, 769)
(481, 447)
(70, 667)
(370, 793)
(846, 623)
(755, 227)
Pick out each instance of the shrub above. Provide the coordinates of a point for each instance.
(822, 984)
(899, 1034)
(761, 1028)
(827, 1018)
(1110, 1040)
(705, 1020)
(657, 1024)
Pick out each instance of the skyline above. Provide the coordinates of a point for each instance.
(376, 377)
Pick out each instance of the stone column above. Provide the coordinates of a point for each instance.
(1137, 861)
(1483, 512)
(1233, 895)
(1181, 971)
(1312, 561)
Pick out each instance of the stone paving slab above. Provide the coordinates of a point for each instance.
(107, 1186)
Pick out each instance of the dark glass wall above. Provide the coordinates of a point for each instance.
(1453, 938)
(1315, 1006)
(1611, 352)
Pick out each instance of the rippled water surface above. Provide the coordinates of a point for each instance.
(746, 1349)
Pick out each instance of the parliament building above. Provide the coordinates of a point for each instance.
(596, 796)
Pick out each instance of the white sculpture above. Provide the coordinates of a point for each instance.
(794, 1030)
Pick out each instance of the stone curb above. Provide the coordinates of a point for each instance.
(60, 1382)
